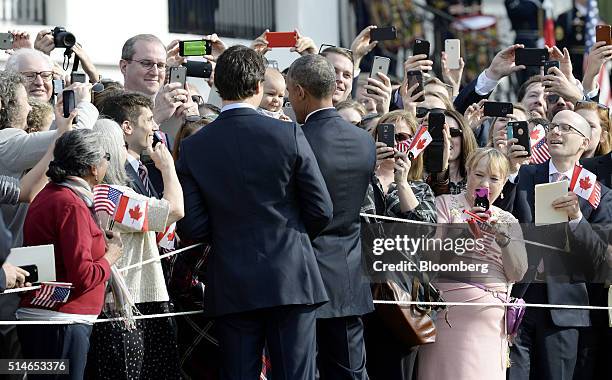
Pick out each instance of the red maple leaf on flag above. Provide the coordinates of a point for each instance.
(534, 134)
(421, 144)
(585, 183)
(171, 236)
(135, 212)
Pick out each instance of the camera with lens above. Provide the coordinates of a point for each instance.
(62, 38)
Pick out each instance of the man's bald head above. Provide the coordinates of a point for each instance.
(575, 120)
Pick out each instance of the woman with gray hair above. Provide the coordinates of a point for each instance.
(61, 215)
(145, 287)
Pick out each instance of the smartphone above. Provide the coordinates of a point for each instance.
(192, 48)
(58, 86)
(69, 103)
(530, 56)
(549, 64)
(520, 131)
(383, 33)
(415, 76)
(497, 109)
(6, 41)
(199, 69)
(481, 198)
(386, 133)
(379, 65)
(435, 125)
(433, 155)
(603, 33)
(420, 47)
(77, 77)
(33, 271)
(178, 74)
(452, 48)
(156, 139)
(281, 39)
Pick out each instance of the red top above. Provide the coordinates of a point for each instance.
(58, 216)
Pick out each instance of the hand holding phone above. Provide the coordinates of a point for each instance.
(379, 65)
(383, 33)
(415, 77)
(530, 56)
(550, 64)
(69, 103)
(481, 198)
(452, 48)
(178, 74)
(520, 131)
(603, 33)
(386, 134)
(420, 47)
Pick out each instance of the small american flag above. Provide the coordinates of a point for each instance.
(51, 293)
(106, 198)
(539, 152)
(591, 20)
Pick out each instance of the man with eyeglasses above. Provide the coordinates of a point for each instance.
(37, 69)
(547, 345)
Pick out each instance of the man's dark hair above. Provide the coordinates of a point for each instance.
(523, 89)
(314, 74)
(122, 106)
(238, 72)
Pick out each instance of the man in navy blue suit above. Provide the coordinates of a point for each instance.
(550, 343)
(252, 186)
(346, 156)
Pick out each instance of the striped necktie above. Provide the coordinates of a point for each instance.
(143, 174)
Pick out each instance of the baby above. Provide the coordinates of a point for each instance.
(274, 92)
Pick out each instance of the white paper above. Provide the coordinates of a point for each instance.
(545, 194)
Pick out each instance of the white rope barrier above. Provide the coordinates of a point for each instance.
(540, 305)
(154, 259)
(103, 320)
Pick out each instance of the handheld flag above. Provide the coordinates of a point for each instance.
(585, 185)
(132, 213)
(419, 142)
(51, 293)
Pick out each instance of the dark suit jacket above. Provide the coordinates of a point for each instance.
(252, 185)
(5, 248)
(601, 166)
(346, 156)
(566, 274)
(136, 182)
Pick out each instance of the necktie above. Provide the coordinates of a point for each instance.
(558, 177)
(143, 174)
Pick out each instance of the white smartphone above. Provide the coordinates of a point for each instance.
(379, 65)
(452, 48)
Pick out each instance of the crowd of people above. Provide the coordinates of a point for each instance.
(274, 187)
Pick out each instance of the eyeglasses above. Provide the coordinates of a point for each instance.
(402, 136)
(456, 132)
(30, 76)
(107, 156)
(345, 50)
(563, 128)
(423, 111)
(148, 64)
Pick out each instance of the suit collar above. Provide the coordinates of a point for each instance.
(135, 179)
(322, 113)
(237, 112)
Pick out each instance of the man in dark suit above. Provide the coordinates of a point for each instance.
(547, 344)
(253, 187)
(346, 157)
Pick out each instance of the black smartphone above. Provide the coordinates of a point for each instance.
(434, 153)
(198, 69)
(33, 271)
(178, 74)
(498, 109)
(549, 64)
(530, 56)
(58, 86)
(383, 33)
(156, 139)
(415, 76)
(77, 77)
(520, 131)
(386, 133)
(420, 47)
(192, 48)
(69, 103)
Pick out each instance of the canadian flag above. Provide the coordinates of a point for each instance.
(166, 239)
(536, 134)
(132, 213)
(584, 184)
(419, 142)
